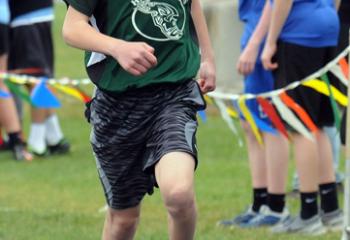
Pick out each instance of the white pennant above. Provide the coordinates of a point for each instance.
(223, 110)
(290, 118)
(336, 70)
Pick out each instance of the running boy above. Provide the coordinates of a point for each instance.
(143, 57)
(303, 40)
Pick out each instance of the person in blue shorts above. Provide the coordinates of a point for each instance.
(300, 41)
(268, 207)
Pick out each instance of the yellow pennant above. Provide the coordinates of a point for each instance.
(232, 112)
(69, 91)
(321, 87)
(208, 100)
(248, 116)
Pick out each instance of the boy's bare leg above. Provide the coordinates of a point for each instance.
(256, 156)
(325, 158)
(307, 163)
(277, 162)
(121, 224)
(175, 177)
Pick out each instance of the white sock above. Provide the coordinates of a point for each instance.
(36, 139)
(53, 134)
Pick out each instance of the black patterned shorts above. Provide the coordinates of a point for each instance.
(133, 130)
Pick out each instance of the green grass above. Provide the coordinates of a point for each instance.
(58, 198)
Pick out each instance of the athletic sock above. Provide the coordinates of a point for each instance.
(36, 139)
(276, 202)
(259, 198)
(14, 138)
(329, 197)
(308, 205)
(53, 134)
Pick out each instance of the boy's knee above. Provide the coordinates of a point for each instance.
(125, 223)
(178, 201)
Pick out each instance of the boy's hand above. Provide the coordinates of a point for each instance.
(247, 59)
(135, 57)
(207, 77)
(266, 57)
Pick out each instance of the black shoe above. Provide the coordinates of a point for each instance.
(4, 146)
(62, 147)
(20, 153)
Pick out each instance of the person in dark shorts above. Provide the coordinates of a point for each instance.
(142, 55)
(8, 115)
(303, 41)
(31, 47)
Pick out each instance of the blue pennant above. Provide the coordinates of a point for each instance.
(4, 94)
(203, 115)
(42, 97)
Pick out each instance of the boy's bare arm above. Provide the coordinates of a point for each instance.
(247, 60)
(279, 16)
(207, 73)
(135, 57)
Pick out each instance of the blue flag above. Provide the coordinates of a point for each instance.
(42, 97)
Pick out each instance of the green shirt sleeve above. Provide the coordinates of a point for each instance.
(85, 7)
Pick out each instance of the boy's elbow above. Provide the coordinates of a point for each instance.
(67, 34)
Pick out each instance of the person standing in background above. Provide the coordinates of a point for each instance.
(302, 41)
(31, 46)
(268, 164)
(8, 115)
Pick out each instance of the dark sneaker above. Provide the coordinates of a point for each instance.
(20, 153)
(60, 148)
(242, 218)
(4, 146)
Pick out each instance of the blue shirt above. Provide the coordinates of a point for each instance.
(249, 12)
(311, 23)
(4, 12)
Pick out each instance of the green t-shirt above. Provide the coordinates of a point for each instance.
(166, 25)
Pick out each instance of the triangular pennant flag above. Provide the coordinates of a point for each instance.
(19, 91)
(69, 91)
(42, 97)
(232, 112)
(86, 97)
(336, 70)
(223, 110)
(263, 126)
(323, 88)
(344, 67)
(248, 116)
(4, 94)
(290, 118)
(203, 115)
(270, 111)
(336, 112)
(208, 100)
(299, 111)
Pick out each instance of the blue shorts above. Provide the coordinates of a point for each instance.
(259, 81)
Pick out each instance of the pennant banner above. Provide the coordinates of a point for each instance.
(290, 118)
(248, 116)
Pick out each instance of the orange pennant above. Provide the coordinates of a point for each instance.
(299, 111)
(344, 67)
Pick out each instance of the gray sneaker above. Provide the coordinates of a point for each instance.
(333, 220)
(312, 226)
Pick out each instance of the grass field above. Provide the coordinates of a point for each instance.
(58, 198)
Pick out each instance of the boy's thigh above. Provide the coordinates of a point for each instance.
(118, 139)
(175, 171)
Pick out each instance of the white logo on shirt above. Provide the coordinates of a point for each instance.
(165, 17)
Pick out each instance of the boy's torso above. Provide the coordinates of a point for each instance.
(166, 25)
